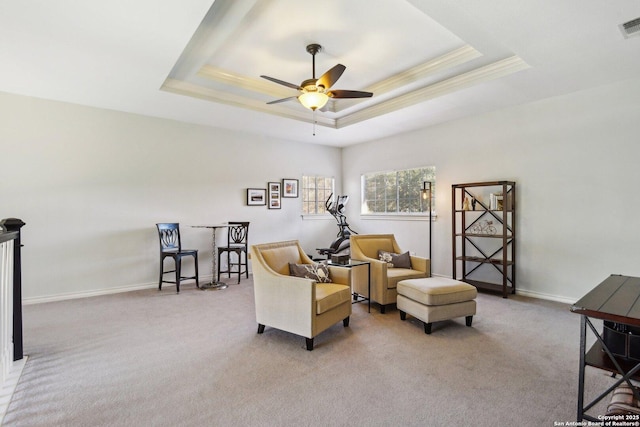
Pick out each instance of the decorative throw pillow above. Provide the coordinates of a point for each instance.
(317, 271)
(395, 260)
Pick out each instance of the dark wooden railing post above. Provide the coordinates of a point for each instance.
(15, 224)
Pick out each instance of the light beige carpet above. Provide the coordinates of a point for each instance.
(194, 359)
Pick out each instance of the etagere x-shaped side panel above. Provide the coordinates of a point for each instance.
(484, 218)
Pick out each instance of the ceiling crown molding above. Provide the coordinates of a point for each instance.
(368, 109)
(202, 71)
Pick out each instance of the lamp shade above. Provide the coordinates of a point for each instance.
(313, 100)
(426, 190)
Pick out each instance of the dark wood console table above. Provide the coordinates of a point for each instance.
(616, 299)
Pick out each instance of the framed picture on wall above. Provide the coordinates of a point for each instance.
(274, 195)
(289, 187)
(256, 197)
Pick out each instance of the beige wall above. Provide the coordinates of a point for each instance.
(91, 184)
(575, 159)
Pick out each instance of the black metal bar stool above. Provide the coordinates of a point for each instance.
(237, 242)
(171, 246)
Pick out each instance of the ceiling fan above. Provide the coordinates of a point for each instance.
(315, 93)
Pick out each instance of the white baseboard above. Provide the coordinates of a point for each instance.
(86, 294)
(93, 293)
(98, 292)
(9, 386)
(549, 297)
(534, 294)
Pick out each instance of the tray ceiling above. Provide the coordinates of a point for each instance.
(426, 61)
(238, 41)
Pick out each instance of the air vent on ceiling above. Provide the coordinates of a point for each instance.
(631, 28)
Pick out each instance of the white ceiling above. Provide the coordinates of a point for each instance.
(426, 61)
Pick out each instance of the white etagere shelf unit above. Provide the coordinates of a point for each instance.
(484, 235)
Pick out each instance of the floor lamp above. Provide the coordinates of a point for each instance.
(426, 195)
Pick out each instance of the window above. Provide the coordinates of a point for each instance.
(397, 192)
(315, 191)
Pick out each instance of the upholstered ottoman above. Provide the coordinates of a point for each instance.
(434, 299)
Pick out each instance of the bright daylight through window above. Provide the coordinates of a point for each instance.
(397, 192)
(315, 191)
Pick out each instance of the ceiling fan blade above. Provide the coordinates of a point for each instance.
(349, 94)
(281, 82)
(277, 101)
(330, 77)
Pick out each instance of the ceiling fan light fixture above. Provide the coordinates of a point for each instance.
(316, 93)
(313, 100)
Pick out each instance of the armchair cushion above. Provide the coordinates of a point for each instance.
(394, 260)
(316, 271)
(394, 275)
(331, 295)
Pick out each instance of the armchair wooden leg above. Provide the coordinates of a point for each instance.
(469, 319)
(260, 328)
(403, 315)
(345, 321)
(427, 328)
(309, 344)
(383, 308)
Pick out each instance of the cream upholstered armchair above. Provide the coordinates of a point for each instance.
(365, 247)
(298, 305)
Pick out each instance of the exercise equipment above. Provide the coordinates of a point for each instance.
(341, 245)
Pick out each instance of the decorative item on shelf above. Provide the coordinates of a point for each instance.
(483, 227)
(274, 195)
(256, 196)
(465, 204)
(426, 195)
(495, 201)
(473, 203)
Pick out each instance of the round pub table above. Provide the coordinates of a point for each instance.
(213, 285)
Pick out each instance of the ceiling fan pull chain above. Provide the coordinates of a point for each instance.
(314, 122)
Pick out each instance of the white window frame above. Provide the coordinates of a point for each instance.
(429, 174)
(320, 211)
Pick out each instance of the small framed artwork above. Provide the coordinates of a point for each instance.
(274, 195)
(289, 188)
(256, 197)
